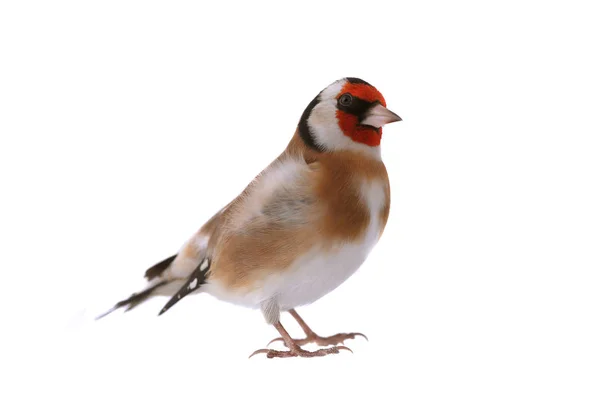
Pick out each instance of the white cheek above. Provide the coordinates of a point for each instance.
(324, 125)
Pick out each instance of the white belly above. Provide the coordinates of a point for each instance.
(318, 273)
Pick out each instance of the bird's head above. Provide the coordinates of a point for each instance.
(347, 115)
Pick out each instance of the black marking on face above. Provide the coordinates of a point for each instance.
(353, 105)
(195, 280)
(304, 129)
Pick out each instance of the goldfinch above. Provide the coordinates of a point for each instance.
(302, 227)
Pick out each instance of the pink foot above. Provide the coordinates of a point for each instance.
(296, 351)
(322, 341)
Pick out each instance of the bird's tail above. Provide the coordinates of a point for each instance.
(161, 283)
(155, 273)
(134, 300)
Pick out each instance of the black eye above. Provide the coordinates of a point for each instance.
(345, 99)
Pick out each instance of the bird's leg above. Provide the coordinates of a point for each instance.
(294, 349)
(312, 337)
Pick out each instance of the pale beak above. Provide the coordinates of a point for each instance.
(377, 116)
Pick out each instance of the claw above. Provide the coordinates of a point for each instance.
(259, 351)
(345, 348)
(279, 339)
(360, 334)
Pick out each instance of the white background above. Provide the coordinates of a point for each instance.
(126, 124)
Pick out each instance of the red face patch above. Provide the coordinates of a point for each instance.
(362, 91)
(349, 123)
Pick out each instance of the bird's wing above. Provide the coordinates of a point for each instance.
(269, 224)
(273, 222)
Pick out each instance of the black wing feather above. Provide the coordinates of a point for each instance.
(196, 279)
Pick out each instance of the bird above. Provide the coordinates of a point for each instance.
(301, 227)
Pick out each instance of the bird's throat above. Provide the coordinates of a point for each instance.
(367, 135)
(359, 133)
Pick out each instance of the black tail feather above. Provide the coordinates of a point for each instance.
(133, 300)
(196, 279)
(159, 268)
